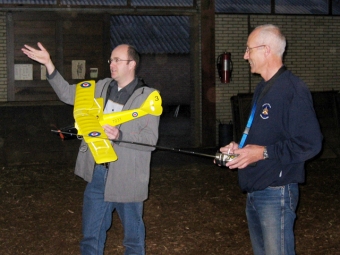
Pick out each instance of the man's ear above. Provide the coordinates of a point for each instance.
(267, 50)
(132, 64)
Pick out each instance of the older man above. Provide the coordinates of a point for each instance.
(282, 133)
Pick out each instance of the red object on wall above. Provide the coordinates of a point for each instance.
(224, 67)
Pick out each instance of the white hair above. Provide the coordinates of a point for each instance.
(271, 35)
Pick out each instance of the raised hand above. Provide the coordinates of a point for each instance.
(40, 55)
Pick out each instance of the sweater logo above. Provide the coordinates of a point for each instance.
(265, 111)
(135, 114)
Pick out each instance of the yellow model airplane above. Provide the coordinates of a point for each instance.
(89, 119)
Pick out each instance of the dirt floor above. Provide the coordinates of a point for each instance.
(194, 207)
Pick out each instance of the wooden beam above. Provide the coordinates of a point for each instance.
(195, 78)
(208, 73)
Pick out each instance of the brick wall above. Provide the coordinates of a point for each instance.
(3, 69)
(312, 47)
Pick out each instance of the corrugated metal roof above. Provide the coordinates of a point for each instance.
(164, 3)
(178, 3)
(281, 6)
(221, 6)
(28, 2)
(242, 6)
(152, 34)
(94, 2)
(299, 7)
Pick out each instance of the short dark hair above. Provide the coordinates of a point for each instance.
(134, 55)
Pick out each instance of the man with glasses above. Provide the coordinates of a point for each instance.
(121, 185)
(282, 133)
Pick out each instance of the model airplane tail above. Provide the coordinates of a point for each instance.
(152, 105)
(89, 119)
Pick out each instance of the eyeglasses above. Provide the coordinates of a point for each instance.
(249, 49)
(117, 60)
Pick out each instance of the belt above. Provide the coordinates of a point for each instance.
(106, 165)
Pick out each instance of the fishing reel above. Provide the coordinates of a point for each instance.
(222, 159)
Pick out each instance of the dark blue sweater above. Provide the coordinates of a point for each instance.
(285, 122)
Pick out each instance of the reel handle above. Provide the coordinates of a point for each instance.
(222, 159)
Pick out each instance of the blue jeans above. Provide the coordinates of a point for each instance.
(97, 219)
(271, 216)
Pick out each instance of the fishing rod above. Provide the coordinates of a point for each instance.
(220, 158)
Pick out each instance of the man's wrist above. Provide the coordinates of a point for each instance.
(50, 67)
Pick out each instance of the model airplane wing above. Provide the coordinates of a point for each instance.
(94, 135)
(86, 117)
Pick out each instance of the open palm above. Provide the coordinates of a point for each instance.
(40, 55)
